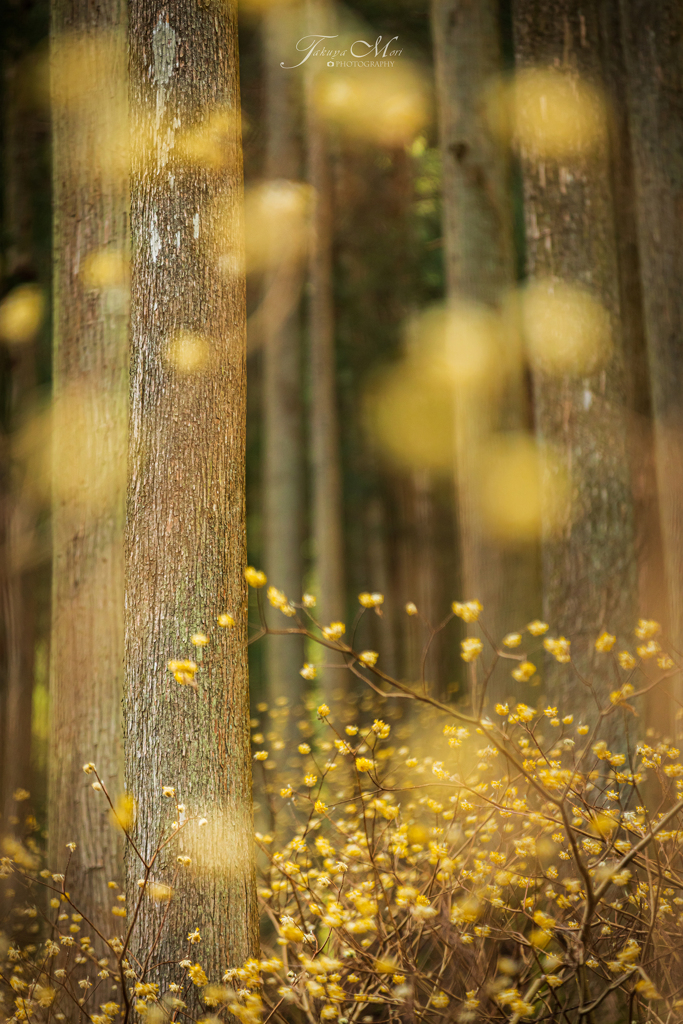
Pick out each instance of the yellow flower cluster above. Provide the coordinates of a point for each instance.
(468, 611)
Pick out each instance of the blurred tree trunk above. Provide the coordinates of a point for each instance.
(589, 563)
(651, 35)
(328, 538)
(479, 257)
(88, 62)
(186, 543)
(18, 513)
(283, 471)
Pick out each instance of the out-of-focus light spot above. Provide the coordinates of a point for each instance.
(105, 268)
(277, 224)
(566, 330)
(523, 490)
(210, 144)
(550, 115)
(21, 314)
(466, 343)
(123, 814)
(409, 413)
(384, 105)
(188, 352)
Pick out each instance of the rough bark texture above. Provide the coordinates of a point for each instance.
(89, 438)
(327, 530)
(283, 470)
(185, 544)
(652, 36)
(589, 565)
(479, 255)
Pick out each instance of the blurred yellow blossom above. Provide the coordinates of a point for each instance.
(468, 611)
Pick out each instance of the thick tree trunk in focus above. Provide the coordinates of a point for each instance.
(328, 538)
(589, 562)
(90, 196)
(283, 471)
(186, 544)
(651, 35)
(479, 256)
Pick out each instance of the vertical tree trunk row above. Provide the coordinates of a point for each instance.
(589, 562)
(651, 35)
(327, 527)
(185, 543)
(479, 257)
(283, 465)
(88, 76)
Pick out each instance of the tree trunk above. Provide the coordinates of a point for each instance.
(17, 510)
(186, 543)
(328, 539)
(479, 256)
(88, 60)
(651, 34)
(282, 384)
(589, 561)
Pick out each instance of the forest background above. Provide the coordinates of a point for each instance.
(464, 370)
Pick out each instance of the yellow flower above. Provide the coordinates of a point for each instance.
(364, 764)
(291, 931)
(198, 976)
(512, 639)
(647, 628)
(89, 768)
(310, 780)
(411, 609)
(523, 672)
(582, 729)
(261, 755)
(648, 650)
(323, 710)
(605, 641)
(368, 658)
(502, 709)
(286, 792)
(559, 648)
(537, 628)
(226, 621)
(184, 672)
(381, 728)
(335, 631)
(626, 660)
(304, 748)
(309, 601)
(370, 600)
(199, 639)
(665, 662)
(524, 712)
(254, 577)
(309, 671)
(194, 937)
(468, 611)
(351, 730)
(168, 791)
(471, 648)
(276, 597)
(320, 807)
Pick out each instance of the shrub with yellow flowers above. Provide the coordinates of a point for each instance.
(423, 860)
